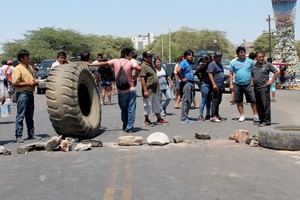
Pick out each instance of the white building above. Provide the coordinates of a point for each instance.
(140, 41)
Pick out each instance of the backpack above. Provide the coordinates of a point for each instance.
(121, 79)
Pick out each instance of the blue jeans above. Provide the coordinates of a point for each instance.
(127, 104)
(206, 99)
(25, 109)
(168, 96)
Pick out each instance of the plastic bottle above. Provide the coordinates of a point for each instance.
(6, 108)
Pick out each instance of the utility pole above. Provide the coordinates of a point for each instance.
(169, 45)
(162, 47)
(169, 42)
(270, 48)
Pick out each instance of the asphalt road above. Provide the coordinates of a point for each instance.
(214, 169)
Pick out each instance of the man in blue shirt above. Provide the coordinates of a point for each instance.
(241, 69)
(215, 72)
(186, 76)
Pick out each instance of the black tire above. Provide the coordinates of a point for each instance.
(280, 137)
(73, 101)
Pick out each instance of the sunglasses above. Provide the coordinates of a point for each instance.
(206, 58)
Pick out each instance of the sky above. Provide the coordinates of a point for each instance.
(240, 19)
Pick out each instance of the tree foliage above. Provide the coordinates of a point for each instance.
(195, 40)
(262, 43)
(46, 42)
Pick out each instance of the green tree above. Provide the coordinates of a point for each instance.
(45, 42)
(262, 43)
(187, 38)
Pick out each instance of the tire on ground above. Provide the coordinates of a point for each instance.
(280, 137)
(73, 101)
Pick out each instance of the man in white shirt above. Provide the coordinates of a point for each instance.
(61, 58)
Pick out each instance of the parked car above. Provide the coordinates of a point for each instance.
(42, 75)
(225, 62)
(170, 69)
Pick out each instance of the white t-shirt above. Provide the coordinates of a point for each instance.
(9, 71)
(162, 78)
(2, 72)
(56, 63)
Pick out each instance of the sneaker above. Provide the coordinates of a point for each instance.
(19, 139)
(187, 120)
(222, 118)
(207, 117)
(128, 130)
(33, 137)
(215, 119)
(264, 124)
(148, 123)
(242, 118)
(163, 113)
(256, 120)
(162, 122)
(200, 118)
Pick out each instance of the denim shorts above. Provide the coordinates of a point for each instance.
(273, 87)
(105, 83)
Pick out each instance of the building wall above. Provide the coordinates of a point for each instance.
(140, 42)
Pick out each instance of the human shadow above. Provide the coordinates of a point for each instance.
(5, 123)
(4, 142)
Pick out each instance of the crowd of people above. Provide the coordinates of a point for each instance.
(249, 77)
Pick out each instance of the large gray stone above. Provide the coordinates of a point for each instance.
(94, 142)
(241, 136)
(178, 139)
(4, 151)
(158, 138)
(202, 136)
(36, 146)
(83, 147)
(130, 140)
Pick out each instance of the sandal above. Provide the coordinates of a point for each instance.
(177, 107)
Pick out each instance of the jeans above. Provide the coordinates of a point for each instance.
(206, 99)
(25, 109)
(187, 99)
(167, 93)
(127, 104)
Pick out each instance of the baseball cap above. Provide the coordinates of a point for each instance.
(218, 53)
